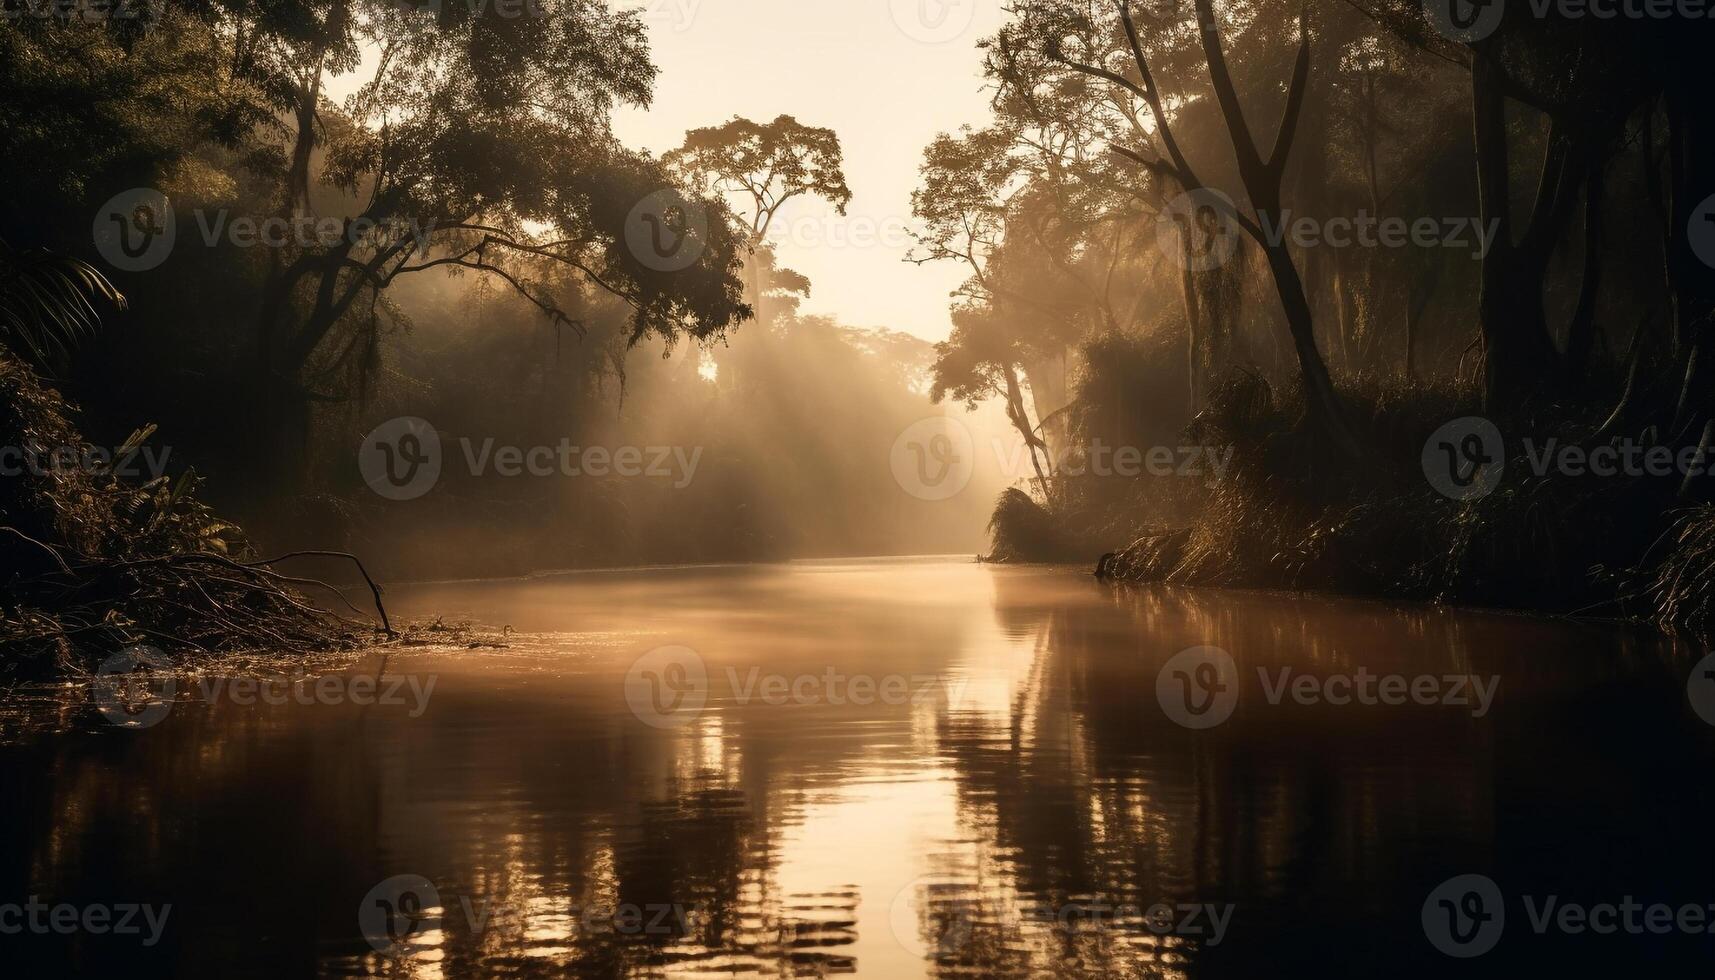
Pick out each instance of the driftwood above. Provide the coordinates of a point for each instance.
(94, 563)
(81, 607)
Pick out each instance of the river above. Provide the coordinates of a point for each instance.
(894, 768)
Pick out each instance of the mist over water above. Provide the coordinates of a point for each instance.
(899, 488)
(1019, 806)
(789, 440)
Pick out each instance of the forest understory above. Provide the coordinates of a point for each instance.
(1291, 512)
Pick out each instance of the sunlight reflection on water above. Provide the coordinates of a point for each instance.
(1031, 769)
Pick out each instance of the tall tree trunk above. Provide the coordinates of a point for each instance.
(1519, 356)
(1417, 297)
(1019, 416)
(1410, 340)
(1336, 336)
(1193, 331)
(1691, 173)
(1262, 182)
(1047, 379)
(1319, 396)
(280, 411)
(1581, 331)
(755, 270)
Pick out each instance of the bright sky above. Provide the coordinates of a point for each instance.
(886, 75)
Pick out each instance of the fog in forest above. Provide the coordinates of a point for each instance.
(910, 488)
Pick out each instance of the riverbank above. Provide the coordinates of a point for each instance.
(97, 563)
(1290, 513)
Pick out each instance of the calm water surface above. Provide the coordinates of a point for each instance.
(1018, 813)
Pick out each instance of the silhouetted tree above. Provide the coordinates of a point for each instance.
(772, 163)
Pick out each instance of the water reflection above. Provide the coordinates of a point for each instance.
(1035, 813)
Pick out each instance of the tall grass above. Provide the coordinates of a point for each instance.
(1291, 513)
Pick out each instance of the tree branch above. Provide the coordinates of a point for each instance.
(1294, 99)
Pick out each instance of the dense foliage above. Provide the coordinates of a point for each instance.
(1176, 203)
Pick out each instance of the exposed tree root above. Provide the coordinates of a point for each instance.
(95, 563)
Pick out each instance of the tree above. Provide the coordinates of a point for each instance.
(480, 143)
(1577, 82)
(1261, 177)
(772, 163)
(1044, 249)
(964, 206)
(979, 360)
(1039, 182)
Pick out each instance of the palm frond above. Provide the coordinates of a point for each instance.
(47, 303)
